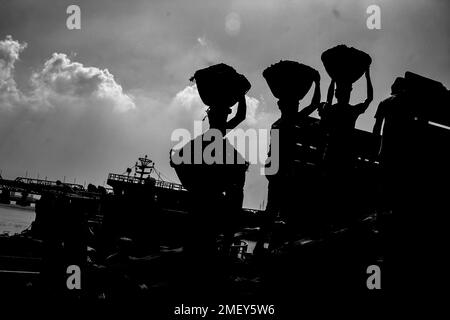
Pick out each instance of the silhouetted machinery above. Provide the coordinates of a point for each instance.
(430, 99)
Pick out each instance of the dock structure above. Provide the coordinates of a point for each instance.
(26, 191)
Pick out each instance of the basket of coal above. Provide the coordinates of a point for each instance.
(289, 79)
(220, 85)
(345, 64)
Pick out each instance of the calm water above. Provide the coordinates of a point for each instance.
(14, 219)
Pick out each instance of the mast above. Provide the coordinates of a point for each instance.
(144, 167)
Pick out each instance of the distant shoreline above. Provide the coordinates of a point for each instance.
(15, 206)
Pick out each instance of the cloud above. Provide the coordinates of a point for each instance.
(184, 61)
(188, 97)
(59, 83)
(252, 109)
(61, 77)
(9, 54)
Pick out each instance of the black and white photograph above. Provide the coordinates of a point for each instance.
(224, 159)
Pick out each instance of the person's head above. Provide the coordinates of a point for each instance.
(343, 92)
(398, 85)
(288, 106)
(217, 117)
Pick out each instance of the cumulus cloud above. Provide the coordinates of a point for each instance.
(61, 77)
(252, 108)
(59, 83)
(9, 54)
(188, 98)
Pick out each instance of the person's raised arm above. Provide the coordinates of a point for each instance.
(369, 87)
(330, 93)
(362, 107)
(379, 118)
(315, 101)
(240, 114)
(369, 98)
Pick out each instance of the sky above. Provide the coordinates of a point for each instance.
(82, 103)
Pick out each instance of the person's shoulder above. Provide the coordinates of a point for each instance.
(276, 124)
(360, 107)
(390, 100)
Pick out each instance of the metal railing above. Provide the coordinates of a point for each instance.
(169, 185)
(136, 180)
(47, 183)
(125, 178)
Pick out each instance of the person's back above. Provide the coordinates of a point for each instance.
(338, 121)
(285, 127)
(286, 184)
(215, 186)
(393, 120)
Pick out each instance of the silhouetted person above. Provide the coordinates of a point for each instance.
(232, 188)
(282, 195)
(385, 106)
(338, 121)
(284, 191)
(215, 189)
(392, 116)
(414, 162)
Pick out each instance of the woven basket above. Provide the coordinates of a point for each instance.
(345, 64)
(289, 79)
(220, 85)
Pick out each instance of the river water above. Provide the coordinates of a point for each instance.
(15, 219)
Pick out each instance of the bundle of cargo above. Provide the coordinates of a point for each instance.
(220, 85)
(209, 167)
(290, 79)
(429, 99)
(345, 64)
(421, 85)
